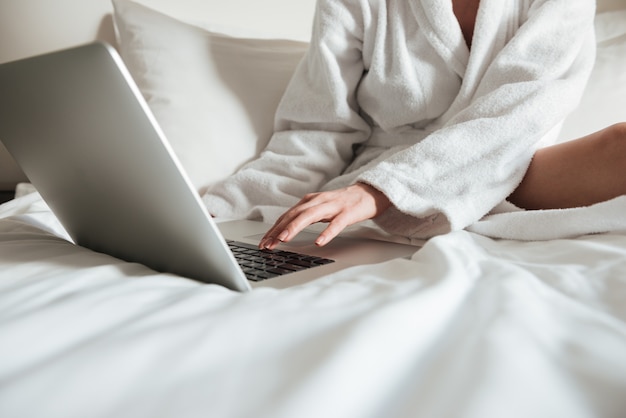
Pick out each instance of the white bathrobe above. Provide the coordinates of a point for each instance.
(390, 94)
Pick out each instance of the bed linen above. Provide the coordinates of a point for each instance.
(468, 327)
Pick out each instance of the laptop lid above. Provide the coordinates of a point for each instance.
(81, 131)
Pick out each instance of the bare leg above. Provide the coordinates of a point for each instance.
(577, 173)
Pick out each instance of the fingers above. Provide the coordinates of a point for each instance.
(332, 230)
(310, 210)
(340, 208)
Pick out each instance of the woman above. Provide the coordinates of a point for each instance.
(424, 115)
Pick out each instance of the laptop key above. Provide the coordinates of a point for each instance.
(260, 264)
(279, 271)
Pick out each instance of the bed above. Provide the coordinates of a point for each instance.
(470, 326)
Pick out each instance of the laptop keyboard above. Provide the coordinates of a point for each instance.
(258, 264)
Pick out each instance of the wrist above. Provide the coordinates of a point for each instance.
(381, 201)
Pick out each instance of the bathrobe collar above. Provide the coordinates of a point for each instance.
(442, 30)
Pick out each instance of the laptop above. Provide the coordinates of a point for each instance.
(81, 131)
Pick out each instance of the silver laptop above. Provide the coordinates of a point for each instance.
(81, 131)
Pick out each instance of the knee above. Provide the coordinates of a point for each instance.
(612, 141)
(616, 132)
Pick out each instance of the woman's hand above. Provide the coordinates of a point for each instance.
(340, 208)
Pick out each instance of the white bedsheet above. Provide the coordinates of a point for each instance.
(470, 327)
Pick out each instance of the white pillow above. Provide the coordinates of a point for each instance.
(214, 96)
(604, 100)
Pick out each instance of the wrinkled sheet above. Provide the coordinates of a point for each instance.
(469, 327)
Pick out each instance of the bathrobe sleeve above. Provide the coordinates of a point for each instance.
(316, 127)
(460, 172)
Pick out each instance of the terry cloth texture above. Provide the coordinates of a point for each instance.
(390, 94)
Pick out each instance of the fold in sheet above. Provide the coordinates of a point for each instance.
(501, 328)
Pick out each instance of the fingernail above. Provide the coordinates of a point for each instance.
(320, 241)
(283, 236)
